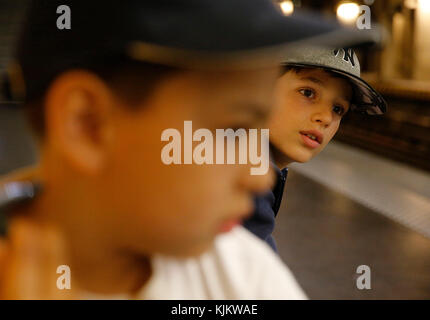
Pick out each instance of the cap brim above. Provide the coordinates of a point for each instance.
(367, 99)
(266, 46)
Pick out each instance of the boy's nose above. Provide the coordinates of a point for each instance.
(323, 116)
(258, 183)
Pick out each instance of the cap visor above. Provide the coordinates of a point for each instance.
(263, 44)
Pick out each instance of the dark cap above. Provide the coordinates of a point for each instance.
(180, 33)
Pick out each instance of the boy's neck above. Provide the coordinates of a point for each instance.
(280, 159)
(109, 273)
(97, 266)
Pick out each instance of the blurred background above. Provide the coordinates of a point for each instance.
(365, 200)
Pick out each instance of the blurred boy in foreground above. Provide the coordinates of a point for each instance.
(102, 202)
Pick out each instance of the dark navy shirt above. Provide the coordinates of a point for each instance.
(262, 221)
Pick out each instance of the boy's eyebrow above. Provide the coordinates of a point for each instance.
(313, 79)
(321, 83)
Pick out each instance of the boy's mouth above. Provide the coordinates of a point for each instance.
(312, 138)
(228, 225)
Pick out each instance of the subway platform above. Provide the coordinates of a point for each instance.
(347, 208)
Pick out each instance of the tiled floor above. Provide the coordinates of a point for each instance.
(324, 235)
(390, 188)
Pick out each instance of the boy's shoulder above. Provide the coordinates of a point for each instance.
(239, 266)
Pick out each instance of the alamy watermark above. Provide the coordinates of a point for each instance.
(364, 20)
(351, 12)
(64, 20)
(64, 280)
(364, 280)
(364, 17)
(253, 147)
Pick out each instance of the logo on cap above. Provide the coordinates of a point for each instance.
(348, 55)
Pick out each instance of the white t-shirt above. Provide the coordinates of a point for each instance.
(239, 266)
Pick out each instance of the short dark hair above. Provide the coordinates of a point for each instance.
(298, 69)
(288, 68)
(131, 80)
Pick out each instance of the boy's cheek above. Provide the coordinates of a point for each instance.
(329, 135)
(180, 196)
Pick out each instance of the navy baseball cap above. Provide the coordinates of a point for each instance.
(193, 34)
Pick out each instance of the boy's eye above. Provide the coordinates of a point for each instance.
(308, 93)
(339, 110)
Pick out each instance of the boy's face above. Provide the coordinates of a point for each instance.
(143, 205)
(310, 102)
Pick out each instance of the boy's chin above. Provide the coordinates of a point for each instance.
(188, 251)
(299, 156)
(284, 157)
(302, 158)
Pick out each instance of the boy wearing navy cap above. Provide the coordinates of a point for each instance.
(317, 88)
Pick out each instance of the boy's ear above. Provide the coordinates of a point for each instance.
(78, 114)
